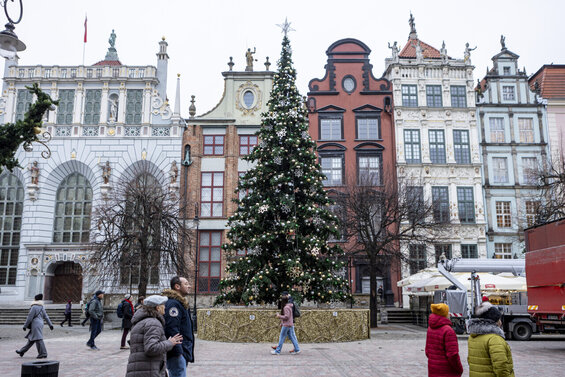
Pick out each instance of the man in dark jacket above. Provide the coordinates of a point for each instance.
(96, 312)
(178, 321)
(127, 310)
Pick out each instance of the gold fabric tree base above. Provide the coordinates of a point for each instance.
(250, 325)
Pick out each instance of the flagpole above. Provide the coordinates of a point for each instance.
(84, 43)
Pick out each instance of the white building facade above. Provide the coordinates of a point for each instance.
(109, 115)
(513, 131)
(437, 146)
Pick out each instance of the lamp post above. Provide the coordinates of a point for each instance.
(197, 223)
(10, 45)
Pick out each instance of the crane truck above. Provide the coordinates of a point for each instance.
(539, 310)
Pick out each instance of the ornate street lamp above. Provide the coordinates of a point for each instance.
(10, 45)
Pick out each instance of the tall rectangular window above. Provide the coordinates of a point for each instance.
(500, 170)
(417, 258)
(469, 251)
(134, 105)
(369, 170)
(92, 106)
(368, 128)
(461, 146)
(410, 95)
(530, 171)
(246, 144)
(506, 71)
(89, 73)
(466, 204)
(503, 214)
(339, 211)
(532, 209)
(332, 167)
(330, 129)
(502, 251)
(213, 145)
(433, 96)
(212, 195)
(442, 251)
(440, 203)
(63, 73)
(526, 129)
(437, 146)
(209, 261)
(242, 193)
(416, 211)
(497, 132)
(412, 146)
(47, 73)
(508, 93)
(23, 102)
(458, 96)
(65, 107)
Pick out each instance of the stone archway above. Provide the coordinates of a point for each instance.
(66, 282)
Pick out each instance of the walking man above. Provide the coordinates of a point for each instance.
(178, 321)
(68, 311)
(96, 312)
(34, 323)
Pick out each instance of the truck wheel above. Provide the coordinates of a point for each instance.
(522, 331)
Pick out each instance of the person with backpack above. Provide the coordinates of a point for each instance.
(125, 311)
(85, 310)
(295, 313)
(287, 327)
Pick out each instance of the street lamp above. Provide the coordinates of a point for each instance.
(197, 223)
(10, 45)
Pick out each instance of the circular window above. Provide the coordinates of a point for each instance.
(349, 84)
(248, 99)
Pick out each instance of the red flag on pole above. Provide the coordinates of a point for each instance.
(85, 19)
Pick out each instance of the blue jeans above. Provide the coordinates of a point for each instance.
(176, 366)
(287, 332)
(95, 329)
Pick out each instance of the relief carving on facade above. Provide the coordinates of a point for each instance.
(160, 106)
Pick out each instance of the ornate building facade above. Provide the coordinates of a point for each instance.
(514, 144)
(113, 122)
(215, 144)
(351, 121)
(437, 145)
(549, 83)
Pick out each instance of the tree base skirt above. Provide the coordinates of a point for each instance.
(253, 325)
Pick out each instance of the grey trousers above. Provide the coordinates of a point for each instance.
(41, 350)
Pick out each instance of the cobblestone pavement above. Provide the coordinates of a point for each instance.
(395, 351)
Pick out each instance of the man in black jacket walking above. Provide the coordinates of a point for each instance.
(96, 312)
(178, 321)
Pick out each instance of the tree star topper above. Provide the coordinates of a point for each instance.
(286, 27)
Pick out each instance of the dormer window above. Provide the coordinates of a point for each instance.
(508, 93)
(506, 71)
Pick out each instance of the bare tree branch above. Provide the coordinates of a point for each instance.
(138, 235)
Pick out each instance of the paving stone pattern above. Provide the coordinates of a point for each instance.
(392, 351)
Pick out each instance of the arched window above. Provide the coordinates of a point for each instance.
(11, 208)
(72, 211)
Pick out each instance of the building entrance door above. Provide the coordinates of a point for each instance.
(67, 283)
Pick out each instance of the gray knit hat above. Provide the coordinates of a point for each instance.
(154, 300)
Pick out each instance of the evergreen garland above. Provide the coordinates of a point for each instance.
(24, 131)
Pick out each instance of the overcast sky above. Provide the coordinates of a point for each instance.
(202, 35)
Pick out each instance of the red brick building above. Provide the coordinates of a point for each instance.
(350, 115)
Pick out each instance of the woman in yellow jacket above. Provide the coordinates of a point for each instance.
(489, 354)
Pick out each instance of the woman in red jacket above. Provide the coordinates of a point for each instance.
(442, 348)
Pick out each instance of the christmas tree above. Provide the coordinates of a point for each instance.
(283, 221)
